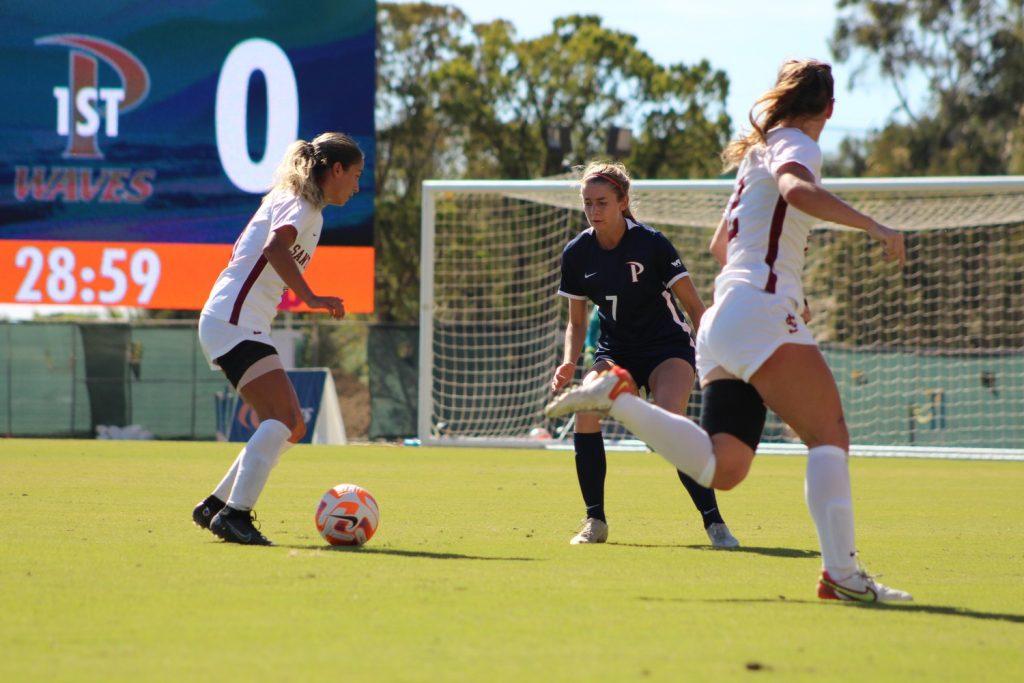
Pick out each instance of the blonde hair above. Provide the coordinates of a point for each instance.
(613, 174)
(305, 164)
(804, 87)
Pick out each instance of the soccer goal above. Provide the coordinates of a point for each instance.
(929, 360)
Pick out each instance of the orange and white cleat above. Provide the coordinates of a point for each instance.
(595, 396)
(859, 587)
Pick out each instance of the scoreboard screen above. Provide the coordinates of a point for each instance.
(136, 142)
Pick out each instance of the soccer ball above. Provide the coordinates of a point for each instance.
(347, 515)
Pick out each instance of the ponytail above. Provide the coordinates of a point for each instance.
(804, 87)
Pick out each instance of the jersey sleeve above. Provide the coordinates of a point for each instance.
(291, 211)
(790, 147)
(670, 264)
(570, 286)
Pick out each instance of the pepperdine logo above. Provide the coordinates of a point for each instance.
(83, 91)
(81, 105)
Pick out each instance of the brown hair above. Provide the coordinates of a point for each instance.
(610, 173)
(804, 87)
(305, 164)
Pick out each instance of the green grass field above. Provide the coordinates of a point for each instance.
(470, 576)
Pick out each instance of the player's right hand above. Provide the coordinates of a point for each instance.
(333, 305)
(891, 240)
(562, 376)
(806, 314)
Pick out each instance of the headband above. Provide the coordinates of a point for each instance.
(612, 180)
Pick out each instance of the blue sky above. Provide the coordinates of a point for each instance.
(748, 39)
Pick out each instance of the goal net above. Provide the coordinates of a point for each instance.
(929, 360)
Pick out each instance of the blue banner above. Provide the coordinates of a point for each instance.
(309, 387)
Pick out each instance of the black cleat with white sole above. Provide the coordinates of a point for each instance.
(236, 526)
(203, 513)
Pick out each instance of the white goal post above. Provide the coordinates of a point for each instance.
(929, 360)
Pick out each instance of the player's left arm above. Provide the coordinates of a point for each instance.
(690, 300)
(799, 188)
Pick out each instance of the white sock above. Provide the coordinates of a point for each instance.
(679, 440)
(827, 489)
(258, 459)
(223, 489)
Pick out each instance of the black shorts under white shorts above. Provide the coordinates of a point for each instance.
(641, 364)
(241, 357)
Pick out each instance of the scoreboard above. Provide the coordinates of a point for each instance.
(135, 145)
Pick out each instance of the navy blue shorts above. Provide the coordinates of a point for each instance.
(641, 365)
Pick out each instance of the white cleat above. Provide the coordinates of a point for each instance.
(595, 396)
(593, 531)
(859, 587)
(721, 537)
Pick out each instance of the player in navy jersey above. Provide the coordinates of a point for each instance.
(633, 275)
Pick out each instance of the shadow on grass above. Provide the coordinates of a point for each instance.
(941, 610)
(771, 552)
(403, 553)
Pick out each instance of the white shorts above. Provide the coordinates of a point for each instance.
(217, 337)
(744, 328)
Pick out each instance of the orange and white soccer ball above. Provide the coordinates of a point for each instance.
(347, 515)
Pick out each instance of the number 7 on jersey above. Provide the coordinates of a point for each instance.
(615, 305)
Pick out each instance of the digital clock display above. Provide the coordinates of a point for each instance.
(153, 275)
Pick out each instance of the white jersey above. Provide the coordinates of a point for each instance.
(249, 290)
(767, 237)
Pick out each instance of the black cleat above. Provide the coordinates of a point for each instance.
(236, 526)
(204, 512)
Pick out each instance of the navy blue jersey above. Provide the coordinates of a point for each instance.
(630, 285)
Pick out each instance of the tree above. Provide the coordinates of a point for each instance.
(413, 145)
(504, 96)
(462, 100)
(971, 53)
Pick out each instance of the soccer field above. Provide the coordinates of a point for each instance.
(470, 576)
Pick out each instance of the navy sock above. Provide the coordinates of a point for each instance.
(591, 466)
(704, 499)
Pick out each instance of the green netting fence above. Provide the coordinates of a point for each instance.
(63, 379)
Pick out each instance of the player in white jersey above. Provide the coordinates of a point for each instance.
(752, 346)
(269, 256)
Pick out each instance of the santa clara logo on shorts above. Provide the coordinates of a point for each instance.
(791, 324)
